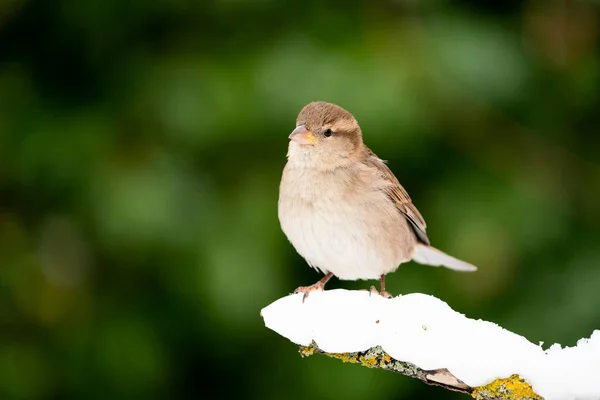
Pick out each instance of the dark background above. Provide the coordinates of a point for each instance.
(141, 146)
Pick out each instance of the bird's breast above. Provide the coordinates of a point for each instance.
(341, 225)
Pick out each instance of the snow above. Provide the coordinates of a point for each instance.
(425, 331)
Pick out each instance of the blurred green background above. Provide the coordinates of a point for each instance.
(141, 146)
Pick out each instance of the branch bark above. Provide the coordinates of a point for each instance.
(511, 388)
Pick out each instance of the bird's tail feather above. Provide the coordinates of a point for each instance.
(424, 254)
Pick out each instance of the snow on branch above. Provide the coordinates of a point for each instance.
(422, 337)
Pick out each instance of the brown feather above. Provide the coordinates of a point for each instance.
(398, 195)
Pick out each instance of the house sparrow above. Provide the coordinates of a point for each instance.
(343, 209)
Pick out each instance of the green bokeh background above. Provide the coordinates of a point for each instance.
(141, 146)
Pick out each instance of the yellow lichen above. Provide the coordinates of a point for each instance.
(513, 388)
(370, 362)
(306, 351)
(345, 357)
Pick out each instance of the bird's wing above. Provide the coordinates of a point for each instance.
(399, 196)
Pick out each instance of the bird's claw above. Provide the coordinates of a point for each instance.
(384, 294)
(373, 290)
(308, 289)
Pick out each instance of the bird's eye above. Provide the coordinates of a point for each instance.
(327, 132)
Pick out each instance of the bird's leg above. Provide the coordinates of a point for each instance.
(317, 286)
(381, 292)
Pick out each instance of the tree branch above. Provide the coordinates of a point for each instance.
(512, 388)
(420, 336)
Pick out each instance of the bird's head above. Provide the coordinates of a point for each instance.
(326, 136)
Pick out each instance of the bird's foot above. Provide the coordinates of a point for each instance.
(384, 294)
(319, 286)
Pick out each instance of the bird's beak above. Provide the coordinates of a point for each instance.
(303, 135)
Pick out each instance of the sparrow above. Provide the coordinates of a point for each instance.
(342, 208)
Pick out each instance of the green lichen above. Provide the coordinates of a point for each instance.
(373, 358)
(512, 388)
